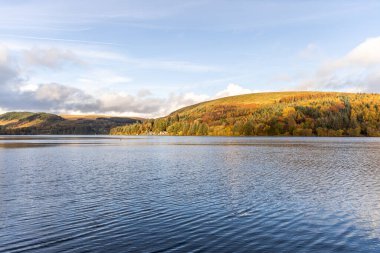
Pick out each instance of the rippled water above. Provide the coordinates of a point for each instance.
(189, 194)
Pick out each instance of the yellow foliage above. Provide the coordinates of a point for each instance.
(289, 112)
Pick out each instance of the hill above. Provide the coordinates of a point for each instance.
(271, 114)
(46, 123)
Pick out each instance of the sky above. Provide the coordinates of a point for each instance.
(148, 58)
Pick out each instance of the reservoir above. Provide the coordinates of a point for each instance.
(189, 194)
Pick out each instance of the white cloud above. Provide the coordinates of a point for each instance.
(9, 70)
(121, 103)
(144, 93)
(4, 55)
(366, 54)
(56, 92)
(357, 71)
(28, 87)
(177, 101)
(50, 57)
(233, 90)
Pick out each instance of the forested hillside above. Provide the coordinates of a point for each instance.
(46, 123)
(271, 114)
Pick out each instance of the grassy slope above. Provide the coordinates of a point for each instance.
(46, 123)
(251, 100)
(27, 119)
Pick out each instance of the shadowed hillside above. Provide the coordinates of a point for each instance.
(45, 123)
(271, 114)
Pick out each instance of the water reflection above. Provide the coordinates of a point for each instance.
(185, 194)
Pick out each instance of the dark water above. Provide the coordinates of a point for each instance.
(189, 194)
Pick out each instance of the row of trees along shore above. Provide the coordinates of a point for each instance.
(309, 114)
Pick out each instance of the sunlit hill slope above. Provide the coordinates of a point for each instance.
(271, 114)
(46, 123)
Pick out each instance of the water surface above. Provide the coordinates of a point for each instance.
(189, 194)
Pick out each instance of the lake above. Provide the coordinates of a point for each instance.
(189, 194)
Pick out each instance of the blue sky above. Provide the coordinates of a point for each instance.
(147, 58)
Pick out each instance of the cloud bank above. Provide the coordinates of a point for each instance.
(17, 93)
(357, 71)
(96, 89)
(63, 99)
